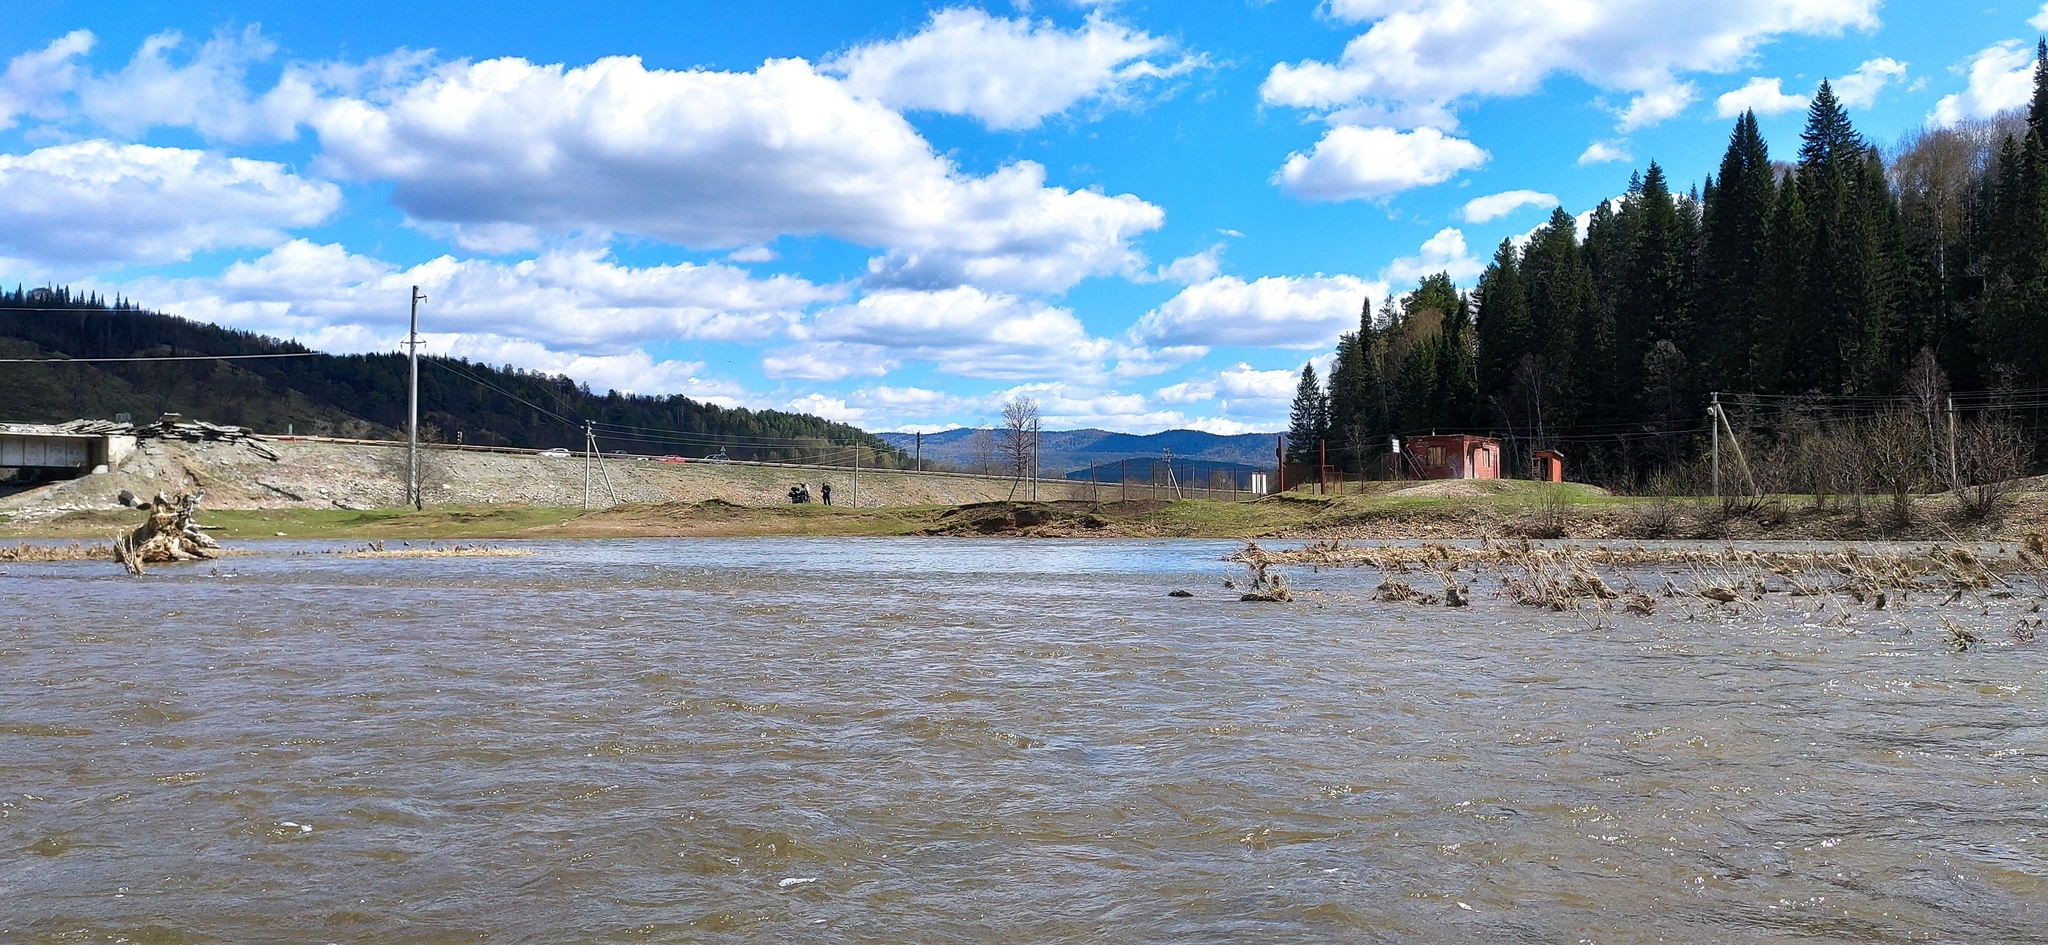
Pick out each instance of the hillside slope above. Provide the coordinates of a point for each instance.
(359, 395)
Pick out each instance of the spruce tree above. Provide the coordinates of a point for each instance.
(1308, 421)
(1737, 222)
(1357, 417)
(1782, 350)
(1653, 303)
(1561, 311)
(1830, 153)
(1506, 333)
(1456, 382)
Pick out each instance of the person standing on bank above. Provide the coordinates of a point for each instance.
(825, 490)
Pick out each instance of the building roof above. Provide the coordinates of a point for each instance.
(42, 429)
(1454, 436)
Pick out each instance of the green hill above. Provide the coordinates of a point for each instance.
(361, 395)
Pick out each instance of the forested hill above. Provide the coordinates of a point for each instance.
(359, 395)
(1837, 299)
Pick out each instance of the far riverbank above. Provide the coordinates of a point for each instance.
(1412, 511)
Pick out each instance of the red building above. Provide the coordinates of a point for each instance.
(1549, 466)
(1452, 457)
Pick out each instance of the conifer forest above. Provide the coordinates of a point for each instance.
(1871, 319)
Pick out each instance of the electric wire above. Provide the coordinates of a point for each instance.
(177, 357)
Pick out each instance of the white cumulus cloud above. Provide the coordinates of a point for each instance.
(1280, 311)
(2000, 77)
(1604, 152)
(1354, 163)
(827, 361)
(1859, 89)
(1761, 95)
(96, 203)
(1495, 206)
(1424, 57)
(1444, 252)
(1010, 73)
(719, 159)
(964, 331)
(209, 93)
(1653, 106)
(35, 82)
(576, 300)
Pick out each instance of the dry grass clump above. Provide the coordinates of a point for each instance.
(376, 549)
(26, 552)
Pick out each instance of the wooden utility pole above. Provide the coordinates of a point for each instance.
(1034, 459)
(1955, 477)
(1714, 412)
(412, 448)
(856, 477)
(917, 439)
(1280, 461)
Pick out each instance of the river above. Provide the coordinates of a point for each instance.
(905, 740)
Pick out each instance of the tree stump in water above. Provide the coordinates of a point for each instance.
(168, 535)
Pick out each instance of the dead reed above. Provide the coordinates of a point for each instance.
(1571, 577)
(26, 552)
(376, 549)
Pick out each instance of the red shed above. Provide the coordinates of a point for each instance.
(1549, 466)
(1453, 457)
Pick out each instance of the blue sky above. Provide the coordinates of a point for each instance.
(1144, 215)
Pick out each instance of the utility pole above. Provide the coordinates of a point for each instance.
(1955, 477)
(1322, 464)
(412, 448)
(1714, 412)
(590, 454)
(1280, 460)
(918, 439)
(1172, 483)
(1034, 459)
(856, 477)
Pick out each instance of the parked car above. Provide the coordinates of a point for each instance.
(718, 457)
(556, 453)
(673, 458)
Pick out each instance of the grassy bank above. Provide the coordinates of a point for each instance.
(1441, 510)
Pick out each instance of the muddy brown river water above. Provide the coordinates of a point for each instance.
(986, 741)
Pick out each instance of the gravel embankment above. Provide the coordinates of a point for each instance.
(341, 475)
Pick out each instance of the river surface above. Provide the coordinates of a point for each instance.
(897, 740)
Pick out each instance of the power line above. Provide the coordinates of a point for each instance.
(178, 357)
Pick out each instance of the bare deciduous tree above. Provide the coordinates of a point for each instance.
(982, 445)
(1020, 422)
(1990, 457)
(1895, 447)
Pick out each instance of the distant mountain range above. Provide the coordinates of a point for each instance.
(1063, 451)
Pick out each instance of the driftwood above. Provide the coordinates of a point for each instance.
(168, 535)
